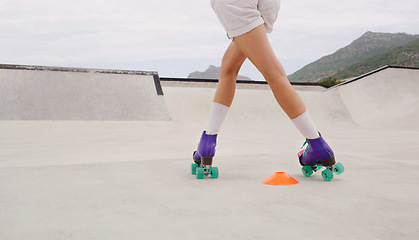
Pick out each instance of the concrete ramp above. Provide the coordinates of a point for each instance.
(56, 93)
(385, 98)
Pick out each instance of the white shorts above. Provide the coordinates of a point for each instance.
(242, 16)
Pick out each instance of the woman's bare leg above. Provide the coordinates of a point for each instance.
(230, 65)
(255, 46)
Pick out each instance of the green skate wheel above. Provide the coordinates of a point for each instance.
(307, 171)
(200, 173)
(339, 169)
(194, 166)
(214, 172)
(327, 174)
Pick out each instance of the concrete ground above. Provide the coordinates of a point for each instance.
(131, 180)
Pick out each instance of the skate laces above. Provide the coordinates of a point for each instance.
(306, 149)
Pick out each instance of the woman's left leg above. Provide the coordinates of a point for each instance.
(230, 66)
(224, 95)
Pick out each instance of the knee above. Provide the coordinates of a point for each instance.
(274, 73)
(229, 68)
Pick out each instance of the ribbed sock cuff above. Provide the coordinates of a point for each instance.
(305, 125)
(217, 116)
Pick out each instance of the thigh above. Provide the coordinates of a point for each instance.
(233, 58)
(255, 46)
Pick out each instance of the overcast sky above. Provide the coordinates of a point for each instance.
(176, 37)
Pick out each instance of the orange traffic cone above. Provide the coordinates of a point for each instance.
(280, 178)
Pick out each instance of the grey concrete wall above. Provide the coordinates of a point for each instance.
(50, 93)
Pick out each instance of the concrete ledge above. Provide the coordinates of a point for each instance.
(57, 93)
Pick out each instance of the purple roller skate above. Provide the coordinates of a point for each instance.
(316, 155)
(203, 157)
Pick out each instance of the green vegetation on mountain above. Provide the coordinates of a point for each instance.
(329, 82)
(378, 49)
(407, 56)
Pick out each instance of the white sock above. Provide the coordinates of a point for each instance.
(306, 126)
(217, 116)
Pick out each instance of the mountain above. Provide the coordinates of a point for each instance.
(407, 56)
(212, 72)
(369, 45)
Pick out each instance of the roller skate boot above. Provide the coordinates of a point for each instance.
(317, 154)
(202, 157)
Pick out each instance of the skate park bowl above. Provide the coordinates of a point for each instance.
(383, 98)
(119, 176)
